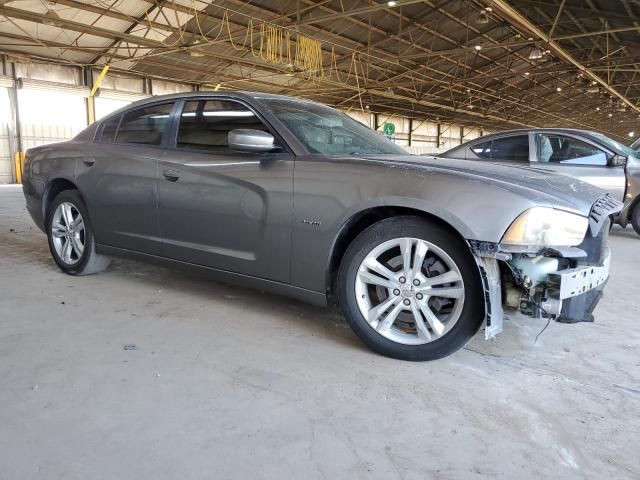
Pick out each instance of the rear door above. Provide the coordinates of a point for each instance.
(118, 178)
(580, 158)
(221, 208)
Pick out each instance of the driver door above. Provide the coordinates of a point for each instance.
(221, 208)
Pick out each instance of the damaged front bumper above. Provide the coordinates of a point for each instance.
(540, 287)
(562, 284)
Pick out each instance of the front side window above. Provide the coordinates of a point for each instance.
(571, 151)
(513, 149)
(205, 124)
(326, 131)
(144, 125)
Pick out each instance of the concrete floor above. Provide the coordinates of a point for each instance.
(233, 383)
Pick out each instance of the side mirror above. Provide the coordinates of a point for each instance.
(247, 140)
(618, 161)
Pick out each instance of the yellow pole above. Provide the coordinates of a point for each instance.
(19, 161)
(96, 85)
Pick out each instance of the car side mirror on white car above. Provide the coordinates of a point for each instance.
(248, 140)
(618, 161)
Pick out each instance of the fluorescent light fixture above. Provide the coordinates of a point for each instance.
(632, 134)
(483, 17)
(391, 3)
(559, 89)
(478, 47)
(535, 54)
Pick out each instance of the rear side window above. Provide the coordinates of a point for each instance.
(514, 149)
(482, 150)
(144, 125)
(571, 151)
(109, 128)
(205, 124)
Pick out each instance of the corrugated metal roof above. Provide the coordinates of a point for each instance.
(416, 59)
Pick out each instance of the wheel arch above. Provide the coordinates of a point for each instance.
(361, 220)
(628, 212)
(53, 189)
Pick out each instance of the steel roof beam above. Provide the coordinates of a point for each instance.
(518, 19)
(356, 11)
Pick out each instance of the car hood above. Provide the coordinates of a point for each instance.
(539, 186)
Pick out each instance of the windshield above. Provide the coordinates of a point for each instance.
(327, 131)
(616, 145)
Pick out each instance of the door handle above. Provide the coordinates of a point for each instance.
(89, 161)
(171, 175)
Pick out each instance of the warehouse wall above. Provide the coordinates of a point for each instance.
(6, 157)
(53, 104)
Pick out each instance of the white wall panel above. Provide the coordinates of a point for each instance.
(105, 106)
(6, 156)
(47, 117)
(162, 87)
(361, 117)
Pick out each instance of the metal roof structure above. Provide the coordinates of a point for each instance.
(490, 63)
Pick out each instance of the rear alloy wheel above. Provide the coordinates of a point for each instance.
(70, 236)
(68, 233)
(410, 289)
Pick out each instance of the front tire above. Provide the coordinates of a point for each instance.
(410, 289)
(70, 235)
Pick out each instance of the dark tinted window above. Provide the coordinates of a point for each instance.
(514, 149)
(109, 128)
(144, 125)
(205, 124)
(482, 150)
(566, 150)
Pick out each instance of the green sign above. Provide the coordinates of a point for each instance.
(388, 129)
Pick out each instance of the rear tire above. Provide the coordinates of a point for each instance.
(635, 218)
(70, 235)
(429, 316)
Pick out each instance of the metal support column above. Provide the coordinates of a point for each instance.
(15, 136)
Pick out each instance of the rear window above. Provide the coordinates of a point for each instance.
(515, 149)
(144, 125)
(109, 128)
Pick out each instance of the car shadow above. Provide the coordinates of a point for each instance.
(195, 287)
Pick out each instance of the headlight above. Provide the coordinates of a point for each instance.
(542, 226)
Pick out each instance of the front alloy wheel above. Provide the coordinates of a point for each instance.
(410, 289)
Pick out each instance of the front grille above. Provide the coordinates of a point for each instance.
(605, 207)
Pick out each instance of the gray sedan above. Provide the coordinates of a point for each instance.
(589, 156)
(296, 198)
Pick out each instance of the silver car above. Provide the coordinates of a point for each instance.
(589, 156)
(295, 198)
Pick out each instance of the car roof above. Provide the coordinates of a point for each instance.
(241, 95)
(502, 133)
(596, 137)
(211, 94)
